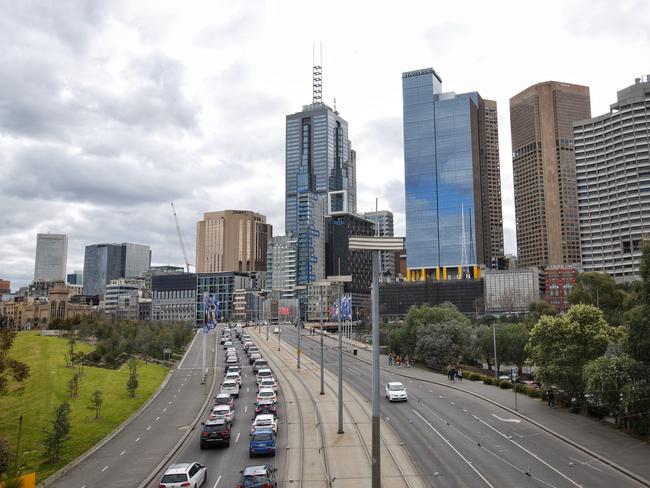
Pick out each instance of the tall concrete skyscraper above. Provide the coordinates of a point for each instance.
(106, 262)
(320, 177)
(281, 265)
(51, 257)
(544, 167)
(452, 180)
(232, 240)
(613, 173)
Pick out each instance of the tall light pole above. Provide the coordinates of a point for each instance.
(376, 245)
(322, 358)
(494, 342)
(299, 351)
(340, 280)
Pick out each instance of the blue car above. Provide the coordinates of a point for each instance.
(262, 442)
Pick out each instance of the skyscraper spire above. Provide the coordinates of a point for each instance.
(318, 75)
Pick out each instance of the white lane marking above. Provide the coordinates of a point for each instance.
(237, 439)
(516, 421)
(104, 468)
(169, 402)
(246, 409)
(137, 440)
(84, 486)
(178, 389)
(157, 419)
(245, 375)
(469, 463)
(585, 463)
(217, 482)
(164, 409)
(531, 453)
(465, 410)
(122, 453)
(149, 428)
(247, 390)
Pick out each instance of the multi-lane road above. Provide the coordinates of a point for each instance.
(457, 440)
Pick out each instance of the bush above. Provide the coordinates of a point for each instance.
(534, 393)
(475, 377)
(505, 385)
(523, 389)
(488, 380)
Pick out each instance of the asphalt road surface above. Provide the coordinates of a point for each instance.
(131, 455)
(225, 463)
(457, 440)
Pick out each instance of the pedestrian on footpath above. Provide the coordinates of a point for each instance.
(550, 398)
(390, 359)
(460, 375)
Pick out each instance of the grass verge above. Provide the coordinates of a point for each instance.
(47, 387)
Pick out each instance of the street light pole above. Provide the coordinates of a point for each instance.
(299, 352)
(340, 331)
(322, 358)
(494, 342)
(376, 453)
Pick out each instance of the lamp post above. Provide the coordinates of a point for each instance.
(376, 245)
(340, 280)
(299, 351)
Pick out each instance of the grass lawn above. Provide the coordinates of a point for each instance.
(47, 387)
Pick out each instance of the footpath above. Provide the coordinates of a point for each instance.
(601, 438)
(316, 453)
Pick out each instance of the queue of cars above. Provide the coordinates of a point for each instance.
(216, 429)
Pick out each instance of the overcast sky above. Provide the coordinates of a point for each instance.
(110, 110)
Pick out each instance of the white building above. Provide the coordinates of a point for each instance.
(51, 257)
(383, 219)
(613, 175)
(281, 265)
(510, 291)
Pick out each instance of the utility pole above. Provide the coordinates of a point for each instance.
(299, 351)
(494, 342)
(322, 357)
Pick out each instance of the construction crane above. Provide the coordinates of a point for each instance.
(180, 238)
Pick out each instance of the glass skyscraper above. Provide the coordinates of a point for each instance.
(320, 177)
(447, 160)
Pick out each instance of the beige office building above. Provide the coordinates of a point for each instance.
(544, 167)
(232, 240)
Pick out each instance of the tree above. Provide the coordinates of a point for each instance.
(600, 290)
(96, 402)
(561, 346)
(9, 367)
(132, 384)
(73, 385)
(538, 309)
(441, 344)
(606, 377)
(511, 344)
(638, 323)
(58, 433)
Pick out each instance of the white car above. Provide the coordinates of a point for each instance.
(223, 412)
(276, 330)
(396, 391)
(267, 394)
(268, 383)
(234, 369)
(227, 344)
(263, 374)
(230, 386)
(191, 475)
(233, 376)
(265, 421)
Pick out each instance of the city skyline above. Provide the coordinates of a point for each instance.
(111, 157)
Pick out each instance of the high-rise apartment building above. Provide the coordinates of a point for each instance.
(384, 226)
(51, 257)
(544, 167)
(232, 240)
(613, 173)
(452, 180)
(320, 177)
(281, 265)
(106, 262)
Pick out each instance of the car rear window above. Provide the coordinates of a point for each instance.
(174, 478)
(262, 436)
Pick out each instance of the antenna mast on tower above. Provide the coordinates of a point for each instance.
(318, 75)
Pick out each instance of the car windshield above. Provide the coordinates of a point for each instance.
(229, 384)
(174, 478)
(396, 387)
(262, 436)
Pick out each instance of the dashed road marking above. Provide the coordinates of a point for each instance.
(149, 428)
(237, 439)
(217, 482)
(104, 468)
(137, 440)
(164, 409)
(122, 453)
(246, 409)
(157, 419)
(247, 389)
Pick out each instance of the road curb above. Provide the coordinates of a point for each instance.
(548, 430)
(184, 437)
(75, 462)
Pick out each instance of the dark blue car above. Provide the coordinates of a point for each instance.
(262, 442)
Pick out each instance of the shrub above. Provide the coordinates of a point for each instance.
(488, 380)
(523, 389)
(475, 377)
(505, 385)
(534, 393)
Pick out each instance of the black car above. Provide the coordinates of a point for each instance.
(215, 432)
(258, 476)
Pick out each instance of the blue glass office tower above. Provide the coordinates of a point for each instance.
(320, 177)
(449, 171)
